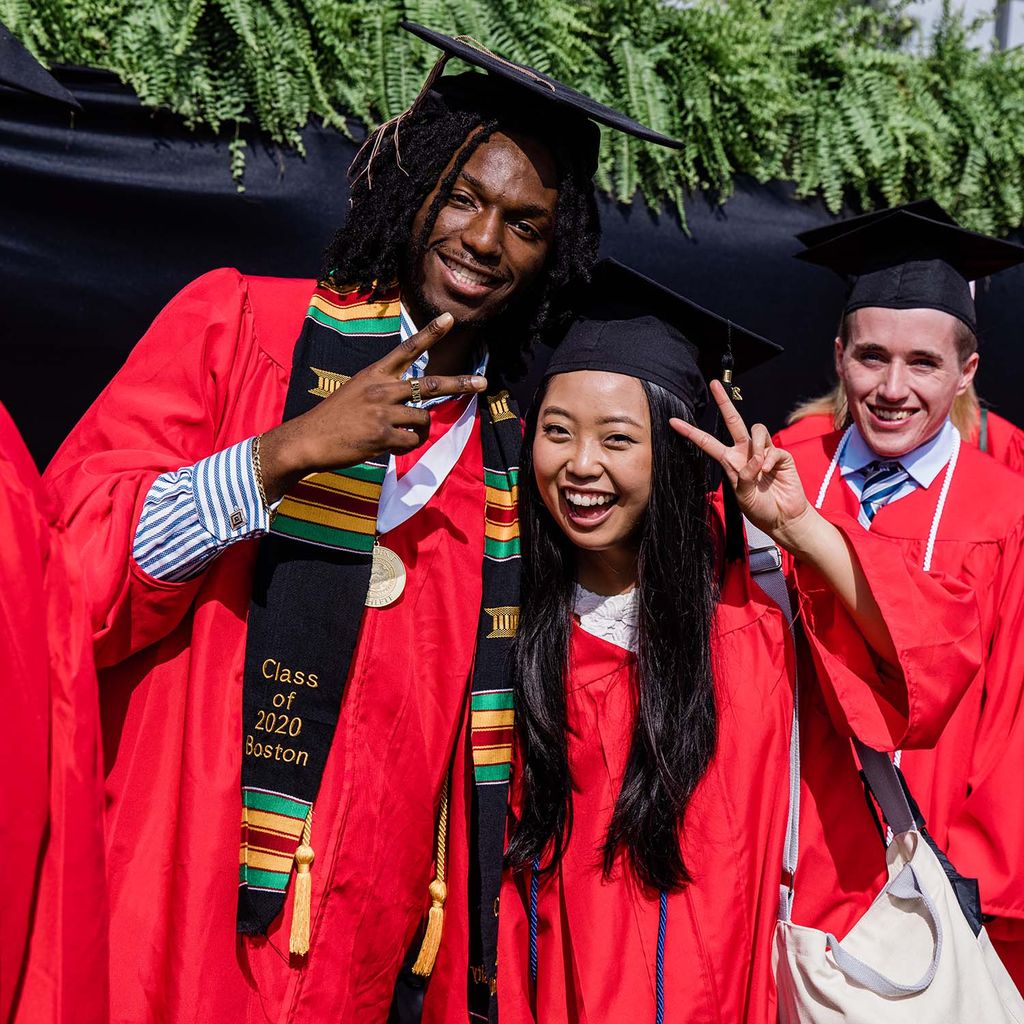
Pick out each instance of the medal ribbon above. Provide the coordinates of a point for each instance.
(401, 499)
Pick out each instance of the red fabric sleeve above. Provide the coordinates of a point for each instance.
(53, 910)
(933, 621)
(169, 406)
(24, 549)
(986, 837)
(1006, 442)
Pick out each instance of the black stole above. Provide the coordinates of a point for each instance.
(299, 645)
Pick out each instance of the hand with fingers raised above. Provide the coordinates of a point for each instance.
(765, 479)
(364, 418)
(771, 495)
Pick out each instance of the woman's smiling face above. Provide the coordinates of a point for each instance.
(592, 457)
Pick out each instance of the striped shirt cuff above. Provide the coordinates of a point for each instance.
(191, 514)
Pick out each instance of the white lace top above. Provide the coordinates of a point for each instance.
(611, 618)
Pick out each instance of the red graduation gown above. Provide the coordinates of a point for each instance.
(1004, 441)
(213, 370)
(53, 910)
(597, 938)
(968, 786)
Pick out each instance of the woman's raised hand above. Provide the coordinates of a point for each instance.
(767, 485)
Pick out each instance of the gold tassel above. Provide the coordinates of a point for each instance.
(438, 894)
(298, 940)
(435, 924)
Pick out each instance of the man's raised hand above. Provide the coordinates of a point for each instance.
(364, 418)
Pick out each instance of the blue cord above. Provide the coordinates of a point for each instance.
(659, 1017)
(533, 918)
(662, 928)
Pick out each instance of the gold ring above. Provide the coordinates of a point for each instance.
(414, 385)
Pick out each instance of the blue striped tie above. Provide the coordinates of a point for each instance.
(881, 482)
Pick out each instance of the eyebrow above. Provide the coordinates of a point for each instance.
(529, 210)
(869, 346)
(617, 418)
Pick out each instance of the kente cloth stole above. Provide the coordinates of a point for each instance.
(312, 575)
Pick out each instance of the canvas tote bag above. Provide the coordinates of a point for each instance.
(914, 957)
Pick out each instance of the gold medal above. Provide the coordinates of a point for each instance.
(387, 578)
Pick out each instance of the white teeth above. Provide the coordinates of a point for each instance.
(467, 276)
(588, 500)
(892, 415)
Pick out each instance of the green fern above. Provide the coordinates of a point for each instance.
(825, 93)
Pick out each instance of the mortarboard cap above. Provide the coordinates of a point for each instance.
(626, 323)
(906, 261)
(520, 93)
(20, 70)
(922, 207)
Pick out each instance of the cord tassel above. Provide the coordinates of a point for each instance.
(298, 940)
(438, 894)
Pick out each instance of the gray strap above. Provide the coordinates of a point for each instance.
(904, 886)
(884, 781)
(765, 561)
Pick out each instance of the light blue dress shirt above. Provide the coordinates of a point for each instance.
(923, 464)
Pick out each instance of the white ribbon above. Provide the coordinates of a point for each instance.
(402, 499)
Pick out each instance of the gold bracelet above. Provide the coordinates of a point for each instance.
(257, 468)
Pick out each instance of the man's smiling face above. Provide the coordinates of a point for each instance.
(901, 370)
(492, 235)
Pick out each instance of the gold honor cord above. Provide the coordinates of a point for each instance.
(438, 893)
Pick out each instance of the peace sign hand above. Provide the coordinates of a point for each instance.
(767, 485)
(364, 418)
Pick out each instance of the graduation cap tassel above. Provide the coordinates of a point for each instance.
(438, 894)
(298, 940)
(728, 363)
(735, 543)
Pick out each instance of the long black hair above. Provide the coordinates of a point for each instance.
(375, 246)
(675, 728)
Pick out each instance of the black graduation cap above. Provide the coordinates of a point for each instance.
(20, 70)
(906, 261)
(516, 91)
(627, 323)
(922, 207)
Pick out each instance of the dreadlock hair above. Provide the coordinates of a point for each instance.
(375, 246)
(675, 726)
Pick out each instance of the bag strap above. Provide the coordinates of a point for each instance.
(904, 886)
(765, 561)
(884, 782)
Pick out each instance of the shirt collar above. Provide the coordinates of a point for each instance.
(923, 463)
(407, 328)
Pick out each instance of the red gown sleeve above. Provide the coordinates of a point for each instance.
(934, 624)
(169, 406)
(1006, 443)
(986, 837)
(53, 912)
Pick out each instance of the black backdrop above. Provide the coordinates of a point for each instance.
(106, 213)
